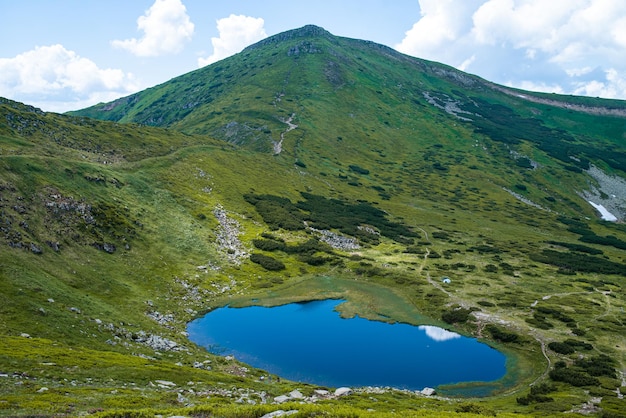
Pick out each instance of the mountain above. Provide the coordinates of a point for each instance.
(311, 166)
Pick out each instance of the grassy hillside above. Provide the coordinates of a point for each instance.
(114, 235)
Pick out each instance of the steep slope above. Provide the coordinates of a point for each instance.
(358, 102)
(309, 166)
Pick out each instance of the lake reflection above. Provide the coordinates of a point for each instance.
(438, 334)
(310, 342)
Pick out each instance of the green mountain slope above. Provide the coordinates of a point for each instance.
(312, 166)
(355, 101)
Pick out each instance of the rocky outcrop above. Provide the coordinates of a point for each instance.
(228, 236)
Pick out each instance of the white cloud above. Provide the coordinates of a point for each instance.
(442, 22)
(536, 86)
(236, 33)
(58, 79)
(438, 334)
(545, 44)
(166, 27)
(465, 64)
(613, 86)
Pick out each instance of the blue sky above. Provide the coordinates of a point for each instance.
(67, 54)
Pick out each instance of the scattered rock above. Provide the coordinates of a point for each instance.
(428, 391)
(343, 391)
(281, 398)
(296, 394)
(280, 413)
(165, 384)
(24, 335)
(228, 236)
(321, 393)
(35, 249)
(42, 390)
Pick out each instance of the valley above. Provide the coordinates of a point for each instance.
(419, 194)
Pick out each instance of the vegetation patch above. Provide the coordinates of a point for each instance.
(574, 262)
(360, 219)
(267, 262)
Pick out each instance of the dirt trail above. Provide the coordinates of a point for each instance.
(278, 146)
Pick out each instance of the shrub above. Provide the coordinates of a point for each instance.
(561, 348)
(359, 170)
(601, 365)
(501, 335)
(268, 244)
(573, 377)
(268, 263)
(491, 268)
(456, 316)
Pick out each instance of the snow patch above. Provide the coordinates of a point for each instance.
(604, 214)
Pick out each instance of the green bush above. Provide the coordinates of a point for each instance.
(268, 245)
(499, 334)
(268, 263)
(456, 316)
(573, 377)
(359, 170)
(561, 348)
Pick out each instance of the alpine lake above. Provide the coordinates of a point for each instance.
(309, 341)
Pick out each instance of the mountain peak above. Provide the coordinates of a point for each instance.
(307, 31)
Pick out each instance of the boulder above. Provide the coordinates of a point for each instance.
(428, 391)
(165, 383)
(279, 413)
(343, 391)
(296, 394)
(281, 398)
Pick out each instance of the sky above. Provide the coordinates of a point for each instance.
(62, 55)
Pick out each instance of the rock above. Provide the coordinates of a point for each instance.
(343, 391)
(42, 390)
(296, 394)
(51, 300)
(428, 391)
(321, 392)
(280, 413)
(35, 249)
(54, 245)
(109, 248)
(24, 335)
(159, 343)
(281, 399)
(165, 383)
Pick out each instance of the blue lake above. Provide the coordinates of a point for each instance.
(310, 342)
